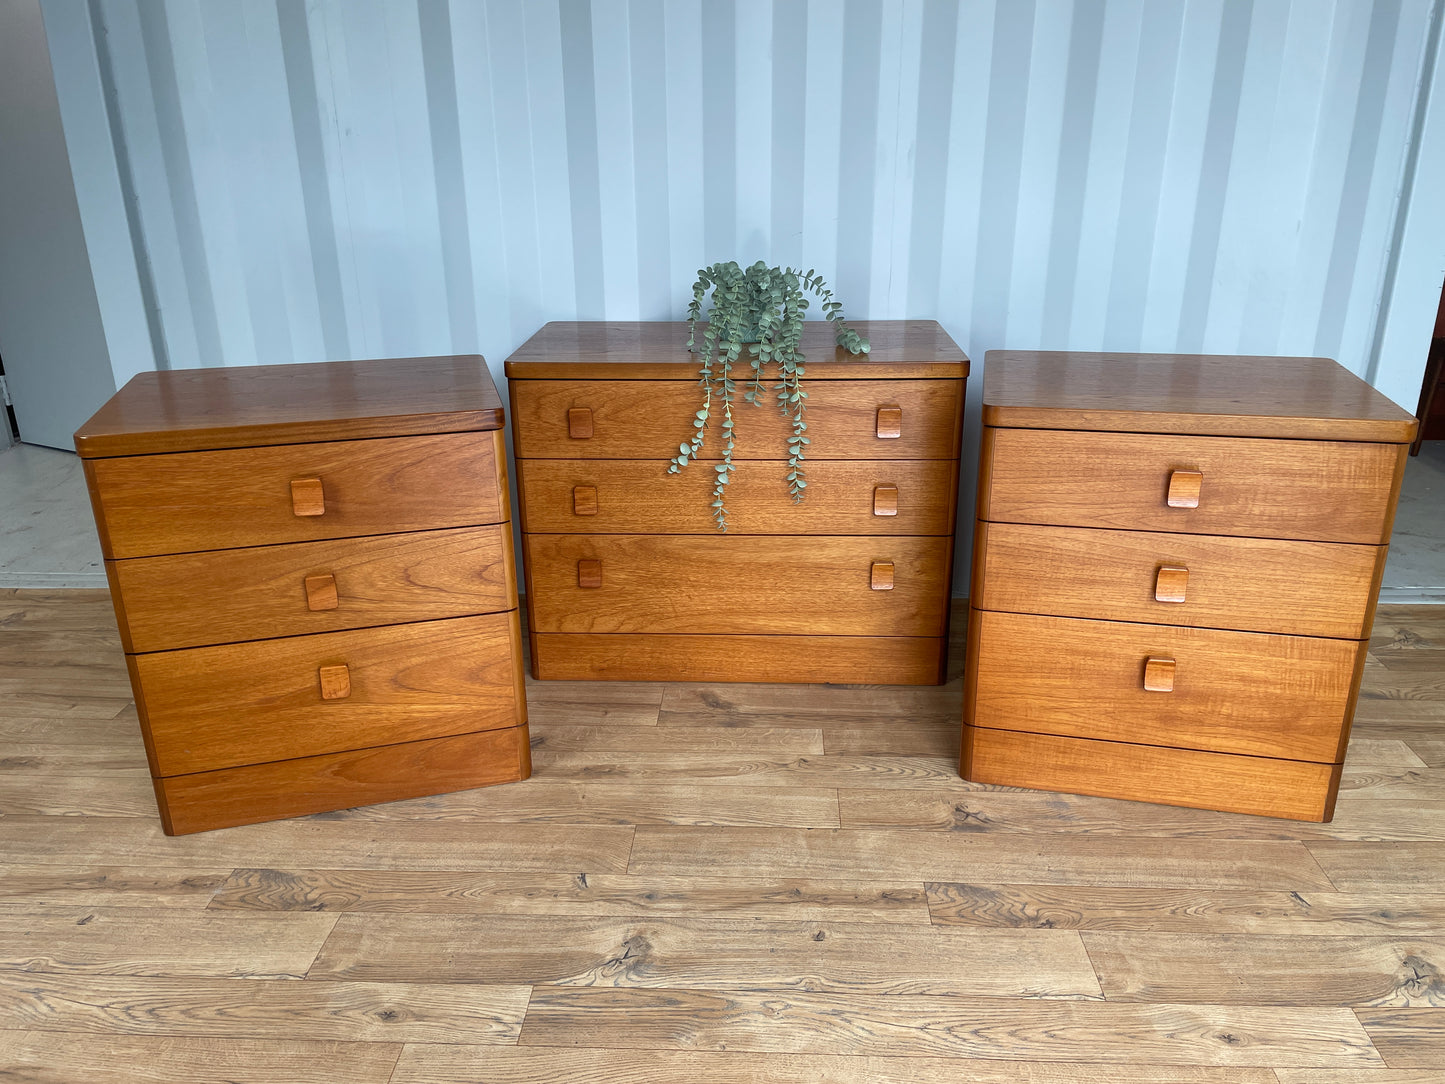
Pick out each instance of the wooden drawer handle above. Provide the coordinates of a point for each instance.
(321, 592)
(589, 572)
(335, 682)
(890, 422)
(1171, 584)
(1158, 674)
(885, 499)
(307, 497)
(880, 576)
(1184, 486)
(584, 500)
(579, 423)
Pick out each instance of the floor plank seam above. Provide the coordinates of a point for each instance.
(321, 948)
(1334, 885)
(1089, 955)
(400, 1050)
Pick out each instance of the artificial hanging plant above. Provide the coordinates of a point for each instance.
(761, 308)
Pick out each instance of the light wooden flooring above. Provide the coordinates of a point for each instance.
(709, 884)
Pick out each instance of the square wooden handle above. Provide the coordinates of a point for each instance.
(1158, 674)
(1171, 584)
(890, 422)
(880, 577)
(885, 499)
(579, 423)
(584, 500)
(307, 497)
(589, 572)
(1184, 487)
(335, 682)
(321, 592)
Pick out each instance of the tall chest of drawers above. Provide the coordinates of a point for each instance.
(313, 576)
(1176, 564)
(629, 578)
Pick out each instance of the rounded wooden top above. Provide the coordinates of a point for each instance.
(1205, 394)
(250, 406)
(657, 350)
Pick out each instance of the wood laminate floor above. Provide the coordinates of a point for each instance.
(708, 884)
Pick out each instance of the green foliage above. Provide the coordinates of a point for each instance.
(763, 308)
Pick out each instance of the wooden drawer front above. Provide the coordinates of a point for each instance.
(852, 660)
(724, 584)
(648, 419)
(194, 599)
(1144, 773)
(1301, 489)
(1260, 585)
(1233, 692)
(293, 788)
(190, 501)
(626, 496)
(221, 707)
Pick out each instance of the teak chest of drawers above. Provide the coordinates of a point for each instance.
(313, 576)
(1176, 563)
(627, 575)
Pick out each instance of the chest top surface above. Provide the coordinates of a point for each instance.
(1204, 394)
(251, 406)
(657, 350)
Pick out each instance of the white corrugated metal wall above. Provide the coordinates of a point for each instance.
(273, 180)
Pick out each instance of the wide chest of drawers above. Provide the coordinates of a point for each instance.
(313, 576)
(627, 575)
(1176, 564)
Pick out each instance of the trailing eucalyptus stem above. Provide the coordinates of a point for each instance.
(763, 307)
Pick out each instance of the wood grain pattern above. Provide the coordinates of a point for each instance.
(904, 739)
(444, 1064)
(565, 802)
(737, 703)
(599, 894)
(1234, 692)
(251, 405)
(162, 942)
(1396, 866)
(747, 769)
(1407, 1038)
(1267, 970)
(247, 1009)
(312, 784)
(191, 501)
(503, 848)
(78, 791)
(1188, 393)
(678, 953)
(657, 350)
(197, 599)
(560, 736)
(1185, 910)
(221, 707)
(1251, 584)
(1293, 789)
(143, 928)
(1355, 1076)
(646, 419)
(1140, 862)
(670, 584)
(52, 1057)
(638, 496)
(989, 811)
(882, 660)
(1321, 491)
(35, 889)
(825, 1023)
